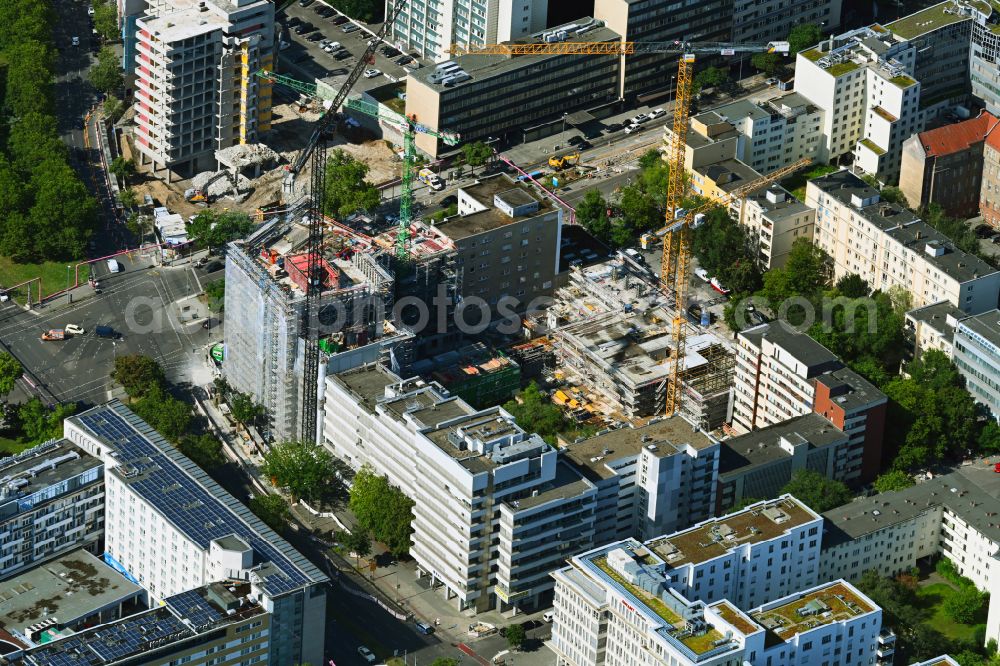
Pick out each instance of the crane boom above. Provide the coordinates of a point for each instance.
(618, 48)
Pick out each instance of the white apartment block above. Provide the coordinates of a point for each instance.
(953, 515)
(977, 357)
(862, 81)
(495, 511)
(655, 479)
(430, 27)
(620, 604)
(777, 219)
(888, 246)
(195, 88)
(171, 529)
(933, 327)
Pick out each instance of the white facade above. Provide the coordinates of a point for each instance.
(977, 357)
(430, 27)
(775, 133)
(494, 509)
(777, 220)
(195, 87)
(889, 247)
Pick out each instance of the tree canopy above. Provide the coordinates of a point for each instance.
(347, 191)
(40, 423)
(369, 11)
(106, 21)
(138, 374)
(894, 479)
(816, 491)
(803, 36)
(726, 250)
(211, 228)
(272, 509)
(476, 154)
(534, 412)
(306, 469)
(106, 73)
(204, 450)
(803, 274)
(382, 509)
(516, 636)
(10, 371)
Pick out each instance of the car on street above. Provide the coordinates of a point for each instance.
(340, 19)
(614, 127)
(656, 113)
(574, 140)
(315, 37)
(366, 654)
(90, 10)
(702, 275)
(631, 129)
(76, 41)
(351, 27)
(372, 73)
(75, 329)
(719, 287)
(424, 628)
(305, 3)
(996, 467)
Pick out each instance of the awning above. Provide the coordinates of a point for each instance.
(578, 118)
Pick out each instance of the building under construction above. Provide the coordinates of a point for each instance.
(476, 374)
(265, 296)
(613, 334)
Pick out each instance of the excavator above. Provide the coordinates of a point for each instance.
(563, 161)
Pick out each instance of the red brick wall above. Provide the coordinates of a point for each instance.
(871, 458)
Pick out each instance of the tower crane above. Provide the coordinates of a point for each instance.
(676, 231)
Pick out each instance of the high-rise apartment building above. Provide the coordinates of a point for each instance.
(172, 529)
(195, 88)
(977, 357)
(888, 246)
(777, 219)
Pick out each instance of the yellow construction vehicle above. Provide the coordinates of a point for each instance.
(563, 161)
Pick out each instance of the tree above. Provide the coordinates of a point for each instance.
(726, 250)
(382, 509)
(515, 636)
(476, 154)
(964, 604)
(40, 423)
(347, 191)
(592, 214)
(216, 293)
(210, 228)
(106, 21)
(710, 77)
(204, 450)
(369, 11)
(448, 661)
(138, 374)
(893, 195)
(989, 437)
(816, 491)
(106, 73)
(114, 108)
(534, 412)
(766, 62)
(358, 542)
(803, 274)
(893, 480)
(63, 215)
(128, 198)
(853, 285)
(244, 409)
(304, 468)
(803, 36)
(10, 372)
(166, 414)
(123, 169)
(33, 140)
(272, 509)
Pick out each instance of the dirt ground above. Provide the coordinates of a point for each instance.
(290, 130)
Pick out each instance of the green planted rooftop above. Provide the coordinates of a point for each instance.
(870, 145)
(812, 54)
(925, 21)
(842, 68)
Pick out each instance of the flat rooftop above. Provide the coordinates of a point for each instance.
(41, 467)
(367, 383)
(850, 390)
(189, 499)
(803, 348)
(937, 316)
(986, 325)
(70, 588)
(484, 426)
(741, 621)
(717, 536)
(761, 447)
(662, 438)
(462, 226)
(784, 205)
(801, 612)
(728, 174)
(567, 484)
(926, 20)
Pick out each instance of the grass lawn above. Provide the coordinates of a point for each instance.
(796, 184)
(11, 447)
(932, 598)
(53, 274)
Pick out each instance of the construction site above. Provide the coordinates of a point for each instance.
(612, 334)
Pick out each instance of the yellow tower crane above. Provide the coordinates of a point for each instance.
(675, 233)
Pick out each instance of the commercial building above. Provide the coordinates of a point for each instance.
(777, 219)
(977, 357)
(933, 327)
(984, 73)
(989, 196)
(428, 28)
(953, 516)
(944, 166)
(69, 593)
(862, 81)
(171, 528)
(195, 88)
(513, 98)
(494, 509)
(888, 246)
(762, 462)
(651, 480)
(264, 333)
(782, 373)
(214, 624)
(631, 603)
(51, 503)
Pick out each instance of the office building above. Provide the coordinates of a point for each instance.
(195, 88)
(944, 166)
(51, 502)
(517, 98)
(171, 528)
(989, 196)
(862, 81)
(983, 70)
(428, 28)
(220, 623)
(494, 509)
(265, 299)
(776, 219)
(782, 373)
(977, 357)
(762, 462)
(933, 327)
(629, 602)
(654, 479)
(888, 246)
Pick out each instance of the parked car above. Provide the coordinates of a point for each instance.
(614, 127)
(303, 28)
(351, 27)
(656, 113)
(324, 10)
(340, 19)
(366, 654)
(90, 10)
(548, 616)
(305, 3)
(985, 231)
(719, 287)
(76, 41)
(372, 73)
(702, 275)
(315, 37)
(424, 628)
(574, 140)
(773, 81)
(639, 119)
(584, 145)
(293, 21)
(631, 129)
(403, 59)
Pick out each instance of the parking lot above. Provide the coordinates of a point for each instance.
(305, 60)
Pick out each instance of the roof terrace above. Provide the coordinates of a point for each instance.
(833, 602)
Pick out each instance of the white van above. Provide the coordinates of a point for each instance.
(114, 266)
